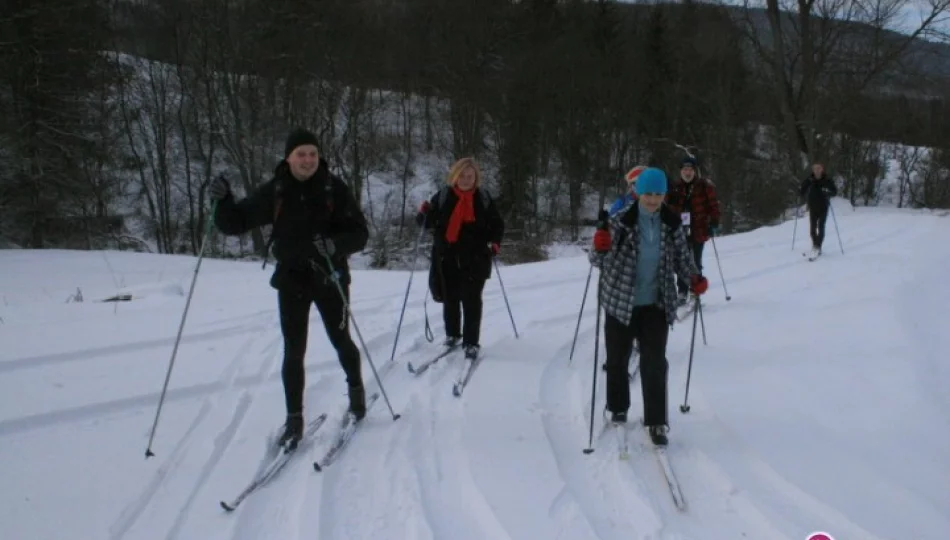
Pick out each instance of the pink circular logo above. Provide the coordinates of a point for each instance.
(819, 536)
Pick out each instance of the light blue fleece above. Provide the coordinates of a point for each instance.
(646, 288)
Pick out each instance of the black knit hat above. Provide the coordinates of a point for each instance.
(299, 137)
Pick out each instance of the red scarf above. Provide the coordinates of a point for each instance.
(464, 212)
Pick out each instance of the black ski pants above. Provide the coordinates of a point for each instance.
(817, 216)
(462, 301)
(649, 327)
(696, 248)
(294, 324)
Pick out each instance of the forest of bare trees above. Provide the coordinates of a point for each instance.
(114, 114)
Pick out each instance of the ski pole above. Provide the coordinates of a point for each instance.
(430, 337)
(795, 230)
(505, 295)
(335, 278)
(181, 327)
(835, 220)
(405, 300)
(580, 314)
(702, 322)
(684, 408)
(721, 277)
(602, 223)
(593, 387)
(602, 218)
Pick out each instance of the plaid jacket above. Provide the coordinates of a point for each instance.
(618, 267)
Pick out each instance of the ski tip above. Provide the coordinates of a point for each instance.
(410, 368)
(316, 466)
(456, 391)
(227, 507)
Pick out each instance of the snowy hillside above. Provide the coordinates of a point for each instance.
(818, 403)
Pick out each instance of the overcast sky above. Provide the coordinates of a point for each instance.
(914, 11)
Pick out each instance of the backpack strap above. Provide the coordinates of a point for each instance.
(328, 188)
(278, 205)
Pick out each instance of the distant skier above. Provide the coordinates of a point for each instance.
(639, 255)
(817, 191)
(694, 198)
(468, 231)
(631, 194)
(317, 224)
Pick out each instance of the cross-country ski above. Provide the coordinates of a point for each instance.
(345, 432)
(282, 458)
(419, 369)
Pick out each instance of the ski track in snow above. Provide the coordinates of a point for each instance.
(131, 513)
(283, 518)
(614, 510)
(373, 511)
(43, 361)
(432, 474)
(710, 490)
(453, 504)
(735, 464)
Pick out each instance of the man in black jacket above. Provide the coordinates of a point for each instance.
(817, 190)
(317, 224)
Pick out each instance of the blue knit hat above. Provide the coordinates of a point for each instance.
(652, 180)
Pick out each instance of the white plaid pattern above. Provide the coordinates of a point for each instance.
(618, 267)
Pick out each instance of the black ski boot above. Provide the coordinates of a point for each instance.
(618, 417)
(471, 352)
(451, 341)
(293, 432)
(658, 435)
(358, 402)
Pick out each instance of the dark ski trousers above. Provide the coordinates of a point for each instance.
(817, 216)
(649, 327)
(462, 301)
(294, 323)
(696, 248)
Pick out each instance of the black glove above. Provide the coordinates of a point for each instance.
(219, 189)
(324, 246)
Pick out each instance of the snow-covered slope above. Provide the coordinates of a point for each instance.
(818, 403)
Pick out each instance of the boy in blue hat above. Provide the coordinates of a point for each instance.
(640, 256)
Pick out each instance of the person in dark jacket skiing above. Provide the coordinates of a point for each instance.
(817, 191)
(317, 224)
(694, 198)
(468, 231)
(640, 254)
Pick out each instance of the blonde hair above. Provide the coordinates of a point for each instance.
(456, 170)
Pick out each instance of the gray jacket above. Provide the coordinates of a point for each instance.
(618, 267)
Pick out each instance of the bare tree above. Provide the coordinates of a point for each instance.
(56, 124)
(809, 45)
(908, 163)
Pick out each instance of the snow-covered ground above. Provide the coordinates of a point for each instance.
(818, 403)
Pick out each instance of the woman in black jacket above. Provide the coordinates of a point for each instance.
(317, 224)
(468, 231)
